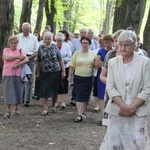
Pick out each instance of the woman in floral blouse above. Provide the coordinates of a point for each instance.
(50, 69)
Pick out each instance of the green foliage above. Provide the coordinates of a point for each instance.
(118, 3)
(89, 14)
(18, 6)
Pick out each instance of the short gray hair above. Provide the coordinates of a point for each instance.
(47, 34)
(60, 36)
(84, 29)
(117, 33)
(128, 36)
(26, 24)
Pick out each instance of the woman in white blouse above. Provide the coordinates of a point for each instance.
(65, 51)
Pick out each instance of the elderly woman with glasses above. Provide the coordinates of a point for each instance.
(128, 87)
(13, 59)
(82, 64)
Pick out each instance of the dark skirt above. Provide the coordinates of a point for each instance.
(13, 89)
(95, 87)
(83, 87)
(63, 88)
(49, 84)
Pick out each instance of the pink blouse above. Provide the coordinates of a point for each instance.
(8, 64)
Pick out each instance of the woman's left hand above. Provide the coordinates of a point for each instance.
(16, 66)
(63, 74)
(127, 111)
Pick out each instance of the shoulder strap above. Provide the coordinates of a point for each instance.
(20, 51)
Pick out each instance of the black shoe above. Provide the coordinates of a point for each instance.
(26, 104)
(35, 97)
(100, 123)
(73, 103)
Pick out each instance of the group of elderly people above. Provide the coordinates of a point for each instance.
(126, 77)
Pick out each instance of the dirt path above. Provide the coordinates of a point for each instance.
(31, 131)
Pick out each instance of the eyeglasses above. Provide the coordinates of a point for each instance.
(85, 43)
(13, 43)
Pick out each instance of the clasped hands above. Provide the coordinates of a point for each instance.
(127, 111)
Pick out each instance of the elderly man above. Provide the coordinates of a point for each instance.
(76, 45)
(29, 43)
(94, 44)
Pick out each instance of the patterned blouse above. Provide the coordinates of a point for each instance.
(109, 55)
(49, 58)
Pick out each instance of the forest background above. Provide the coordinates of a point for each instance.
(71, 15)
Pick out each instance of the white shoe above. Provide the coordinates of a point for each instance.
(96, 109)
(63, 105)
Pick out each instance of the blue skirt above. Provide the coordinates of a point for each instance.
(83, 87)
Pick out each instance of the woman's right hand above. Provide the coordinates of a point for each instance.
(21, 57)
(127, 111)
(38, 76)
(70, 79)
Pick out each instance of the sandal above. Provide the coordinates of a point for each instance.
(7, 115)
(54, 110)
(84, 116)
(78, 119)
(16, 112)
(63, 106)
(44, 113)
(96, 109)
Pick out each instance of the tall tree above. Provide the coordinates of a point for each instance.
(6, 24)
(40, 15)
(50, 11)
(67, 4)
(25, 13)
(129, 13)
(109, 13)
(146, 36)
(75, 17)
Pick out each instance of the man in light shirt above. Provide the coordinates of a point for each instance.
(29, 44)
(94, 44)
(76, 45)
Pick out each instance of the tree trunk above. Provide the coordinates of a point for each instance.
(6, 24)
(129, 13)
(108, 17)
(25, 13)
(66, 24)
(74, 22)
(40, 15)
(67, 14)
(146, 36)
(50, 15)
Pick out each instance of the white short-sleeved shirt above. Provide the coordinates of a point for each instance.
(28, 44)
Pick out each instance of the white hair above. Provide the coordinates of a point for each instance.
(84, 29)
(26, 24)
(60, 36)
(47, 34)
(128, 36)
